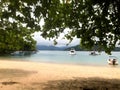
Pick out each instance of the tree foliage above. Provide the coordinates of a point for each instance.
(95, 22)
(14, 35)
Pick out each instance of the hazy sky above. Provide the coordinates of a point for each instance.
(60, 40)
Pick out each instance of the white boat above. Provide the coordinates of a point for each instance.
(112, 60)
(19, 53)
(93, 53)
(72, 52)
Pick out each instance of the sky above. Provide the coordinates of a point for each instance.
(61, 42)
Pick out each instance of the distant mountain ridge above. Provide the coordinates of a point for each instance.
(78, 48)
(66, 48)
(43, 47)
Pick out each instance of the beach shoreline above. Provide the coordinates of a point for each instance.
(58, 63)
(27, 72)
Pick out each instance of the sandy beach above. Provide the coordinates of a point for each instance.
(25, 75)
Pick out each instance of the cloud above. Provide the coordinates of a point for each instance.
(61, 42)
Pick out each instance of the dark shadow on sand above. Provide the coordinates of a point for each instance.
(83, 84)
(13, 73)
(9, 83)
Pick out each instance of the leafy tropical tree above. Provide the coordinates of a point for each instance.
(14, 34)
(95, 22)
(12, 40)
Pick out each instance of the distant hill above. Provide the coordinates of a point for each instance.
(117, 49)
(77, 48)
(43, 47)
(67, 48)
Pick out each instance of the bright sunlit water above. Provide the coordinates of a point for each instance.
(63, 57)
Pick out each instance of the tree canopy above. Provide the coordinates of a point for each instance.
(95, 22)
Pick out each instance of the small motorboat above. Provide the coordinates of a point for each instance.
(72, 52)
(112, 60)
(93, 53)
(18, 53)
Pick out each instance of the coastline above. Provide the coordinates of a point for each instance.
(28, 72)
(58, 57)
(58, 63)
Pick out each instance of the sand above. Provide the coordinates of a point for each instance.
(26, 75)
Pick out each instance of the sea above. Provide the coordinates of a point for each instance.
(63, 57)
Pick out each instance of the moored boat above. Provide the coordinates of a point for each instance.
(112, 60)
(72, 52)
(93, 53)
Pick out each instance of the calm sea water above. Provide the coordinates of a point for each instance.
(81, 57)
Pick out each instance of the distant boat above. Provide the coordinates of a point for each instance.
(72, 52)
(112, 60)
(93, 53)
(19, 53)
(23, 53)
